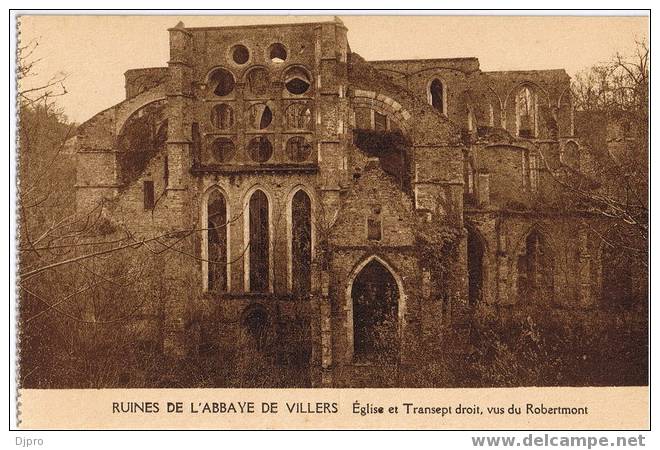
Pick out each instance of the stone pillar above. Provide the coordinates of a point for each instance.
(179, 94)
(179, 140)
(332, 109)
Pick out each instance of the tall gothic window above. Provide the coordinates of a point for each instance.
(526, 109)
(217, 242)
(259, 242)
(436, 95)
(301, 243)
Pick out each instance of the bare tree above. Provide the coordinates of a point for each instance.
(612, 106)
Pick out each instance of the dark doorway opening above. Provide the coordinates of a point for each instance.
(375, 314)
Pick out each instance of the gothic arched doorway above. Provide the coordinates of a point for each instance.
(375, 297)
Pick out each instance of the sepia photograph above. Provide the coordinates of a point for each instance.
(350, 201)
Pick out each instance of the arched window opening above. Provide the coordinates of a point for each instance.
(277, 53)
(297, 81)
(143, 135)
(298, 116)
(217, 242)
(374, 223)
(526, 108)
(258, 81)
(375, 298)
(259, 242)
(471, 119)
(475, 259)
(301, 243)
(260, 116)
(222, 116)
(222, 82)
(437, 95)
(535, 271)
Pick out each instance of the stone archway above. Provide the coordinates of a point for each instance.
(375, 297)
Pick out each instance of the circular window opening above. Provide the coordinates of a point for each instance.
(222, 116)
(223, 149)
(260, 116)
(240, 54)
(277, 53)
(298, 149)
(297, 81)
(260, 149)
(222, 82)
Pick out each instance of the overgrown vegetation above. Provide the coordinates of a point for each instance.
(537, 348)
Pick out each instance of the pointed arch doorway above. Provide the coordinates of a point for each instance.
(377, 304)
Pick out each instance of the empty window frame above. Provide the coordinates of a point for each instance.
(260, 116)
(258, 81)
(526, 113)
(301, 243)
(437, 95)
(259, 243)
(374, 224)
(222, 116)
(277, 53)
(298, 116)
(222, 82)
(216, 252)
(297, 81)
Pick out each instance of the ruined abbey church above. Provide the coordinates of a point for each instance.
(341, 213)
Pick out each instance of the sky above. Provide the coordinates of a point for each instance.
(95, 51)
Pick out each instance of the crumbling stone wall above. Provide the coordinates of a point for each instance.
(467, 173)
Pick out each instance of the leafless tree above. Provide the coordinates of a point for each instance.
(612, 115)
